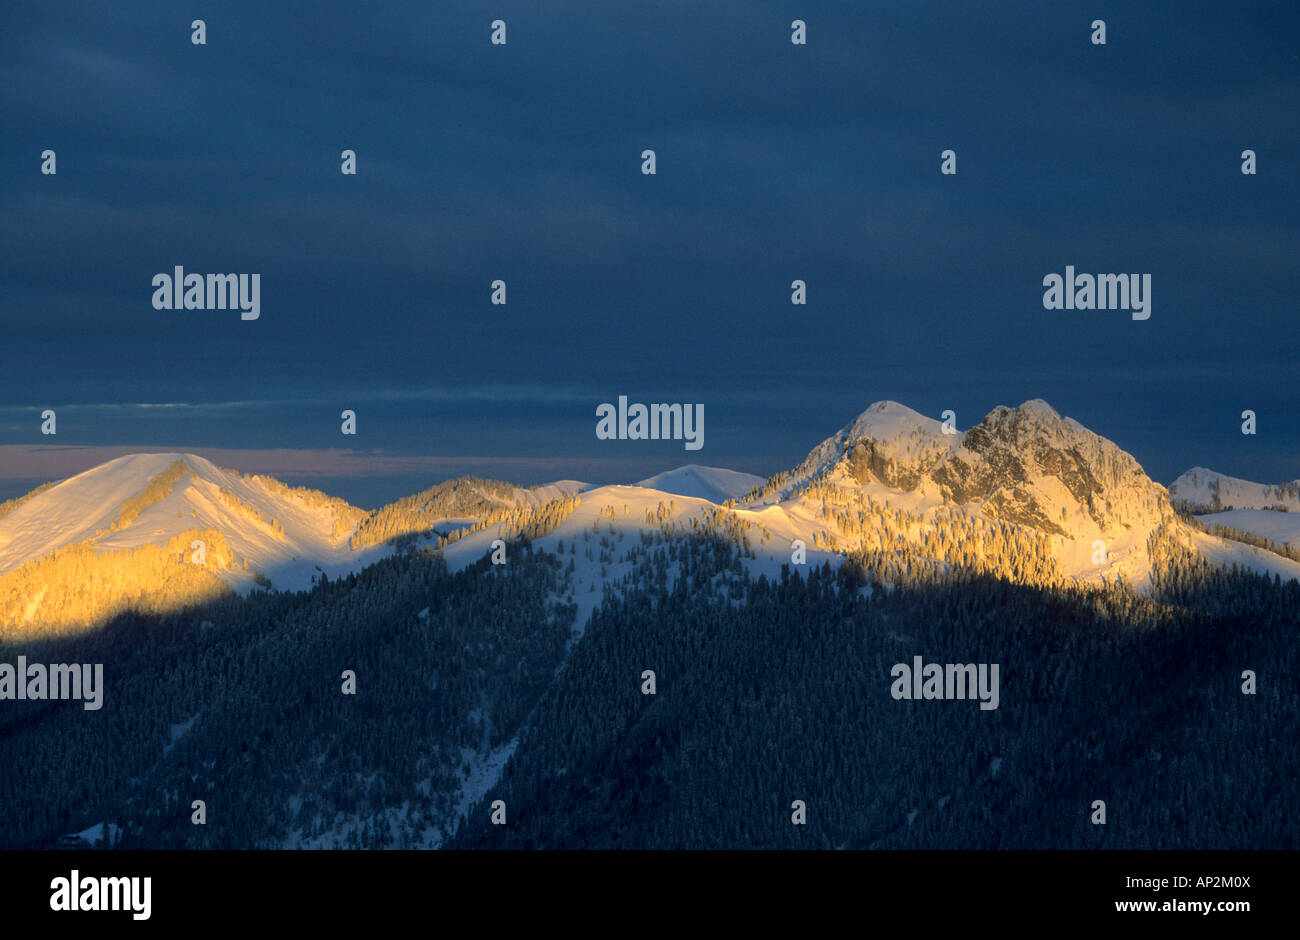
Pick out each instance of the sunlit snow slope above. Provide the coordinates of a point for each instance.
(279, 533)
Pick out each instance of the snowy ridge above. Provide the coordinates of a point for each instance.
(894, 434)
(1202, 487)
(541, 495)
(1226, 552)
(278, 533)
(1027, 467)
(711, 483)
(1283, 528)
(288, 536)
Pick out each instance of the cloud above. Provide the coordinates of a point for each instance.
(53, 462)
(775, 162)
(451, 394)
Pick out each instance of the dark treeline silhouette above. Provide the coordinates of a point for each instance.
(1104, 696)
(768, 692)
(275, 748)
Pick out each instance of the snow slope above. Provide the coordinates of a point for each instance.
(609, 521)
(1280, 527)
(1202, 487)
(1026, 466)
(1226, 552)
(75, 509)
(278, 533)
(711, 483)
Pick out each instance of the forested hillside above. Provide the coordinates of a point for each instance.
(80, 586)
(786, 696)
(446, 667)
(397, 705)
(454, 503)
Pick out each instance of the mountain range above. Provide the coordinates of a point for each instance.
(1087, 501)
(662, 664)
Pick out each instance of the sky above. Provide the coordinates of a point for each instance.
(522, 162)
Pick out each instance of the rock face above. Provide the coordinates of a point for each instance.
(1031, 466)
(888, 442)
(1025, 465)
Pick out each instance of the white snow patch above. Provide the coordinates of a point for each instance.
(711, 483)
(1227, 552)
(1280, 527)
(1200, 485)
(96, 833)
(178, 731)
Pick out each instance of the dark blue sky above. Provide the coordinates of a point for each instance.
(522, 162)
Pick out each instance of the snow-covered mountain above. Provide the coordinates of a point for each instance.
(888, 479)
(888, 443)
(453, 505)
(711, 483)
(287, 535)
(1265, 514)
(1025, 465)
(148, 499)
(1280, 528)
(1028, 468)
(1216, 492)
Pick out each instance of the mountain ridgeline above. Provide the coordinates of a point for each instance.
(160, 531)
(1026, 465)
(701, 660)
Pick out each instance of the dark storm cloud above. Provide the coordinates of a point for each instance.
(775, 162)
